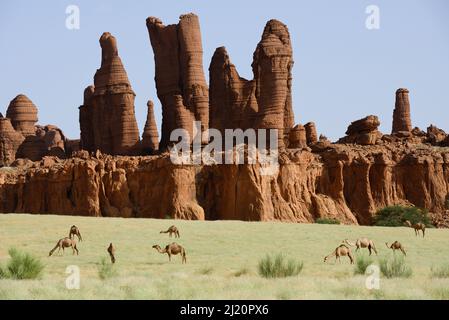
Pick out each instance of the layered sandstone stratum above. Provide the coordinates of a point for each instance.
(110, 171)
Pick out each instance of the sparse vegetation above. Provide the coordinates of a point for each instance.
(206, 270)
(21, 266)
(242, 272)
(362, 262)
(106, 269)
(327, 221)
(395, 267)
(277, 266)
(395, 216)
(440, 271)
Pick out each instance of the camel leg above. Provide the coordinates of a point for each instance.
(423, 231)
(403, 251)
(169, 256)
(369, 249)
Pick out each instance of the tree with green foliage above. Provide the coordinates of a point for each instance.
(395, 216)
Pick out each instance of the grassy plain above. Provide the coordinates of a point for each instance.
(222, 259)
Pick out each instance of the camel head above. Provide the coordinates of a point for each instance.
(325, 259)
(407, 223)
(156, 246)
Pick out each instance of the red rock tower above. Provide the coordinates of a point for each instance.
(178, 56)
(311, 134)
(150, 136)
(10, 141)
(401, 114)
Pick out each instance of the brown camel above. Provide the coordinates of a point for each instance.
(341, 250)
(362, 243)
(171, 230)
(75, 231)
(417, 226)
(396, 246)
(65, 243)
(174, 249)
(111, 251)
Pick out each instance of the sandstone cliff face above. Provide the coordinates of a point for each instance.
(180, 82)
(150, 137)
(10, 141)
(347, 182)
(107, 118)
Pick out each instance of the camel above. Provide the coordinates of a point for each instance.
(111, 251)
(65, 243)
(417, 226)
(174, 249)
(396, 246)
(75, 231)
(362, 243)
(341, 250)
(171, 230)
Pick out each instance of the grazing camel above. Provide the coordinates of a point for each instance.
(111, 251)
(362, 243)
(65, 243)
(396, 246)
(174, 249)
(417, 226)
(75, 231)
(341, 250)
(171, 230)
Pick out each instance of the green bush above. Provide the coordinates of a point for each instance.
(278, 266)
(395, 216)
(22, 266)
(106, 270)
(440, 272)
(327, 221)
(395, 267)
(362, 262)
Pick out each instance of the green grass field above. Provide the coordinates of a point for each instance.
(222, 259)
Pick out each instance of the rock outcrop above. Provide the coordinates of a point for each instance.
(107, 118)
(297, 137)
(23, 115)
(180, 82)
(435, 135)
(10, 141)
(346, 182)
(401, 115)
(311, 134)
(363, 131)
(150, 136)
(262, 103)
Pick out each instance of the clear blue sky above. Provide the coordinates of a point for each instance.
(342, 70)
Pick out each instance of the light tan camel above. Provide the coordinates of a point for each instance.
(64, 243)
(111, 251)
(174, 249)
(75, 231)
(171, 230)
(362, 243)
(396, 246)
(341, 250)
(417, 226)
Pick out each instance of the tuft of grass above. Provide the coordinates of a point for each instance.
(242, 272)
(362, 262)
(395, 268)
(106, 270)
(206, 270)
(440, 272)
(277, 266)
(21, 266)
(327, 221)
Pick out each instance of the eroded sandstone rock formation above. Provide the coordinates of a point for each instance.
(23, 115)
(10, 141)
(363, 131)
(347, 182)
(180, 82)
(150, 136)
(107, 118)
(262, 103)
(311, 134)
(401, 114)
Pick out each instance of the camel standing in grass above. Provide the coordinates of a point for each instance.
(75, 231)
(396, 246)
(362, 243)
(171, 230)
(172, 249)
(65, 243)
(417, 226)
(341, 250)
(111, 251)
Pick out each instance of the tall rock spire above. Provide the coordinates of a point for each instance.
(401, 114)
(150, 136)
